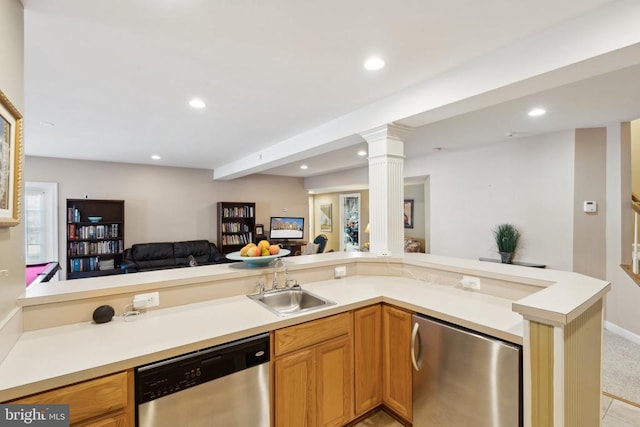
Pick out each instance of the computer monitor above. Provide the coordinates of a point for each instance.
(286, 228)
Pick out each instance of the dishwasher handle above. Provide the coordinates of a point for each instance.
(414, 335)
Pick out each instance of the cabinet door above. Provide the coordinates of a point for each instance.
(295, 389)
(91, 398)
(117, 420)
(335, 382)
(396, 361)
(367, 348)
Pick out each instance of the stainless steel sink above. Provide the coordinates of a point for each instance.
(285, 302)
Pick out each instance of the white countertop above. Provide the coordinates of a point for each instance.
(57, 356)
(52, 357)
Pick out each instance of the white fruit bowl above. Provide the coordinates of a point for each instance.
(257, 261)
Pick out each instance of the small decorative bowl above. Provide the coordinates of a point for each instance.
(94, 218)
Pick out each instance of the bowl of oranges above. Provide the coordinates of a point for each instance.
(258, 255)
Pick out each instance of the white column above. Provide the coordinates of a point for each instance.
(386, 187)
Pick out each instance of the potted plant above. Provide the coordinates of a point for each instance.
(506, 236)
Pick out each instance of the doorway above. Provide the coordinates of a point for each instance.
(350, 222)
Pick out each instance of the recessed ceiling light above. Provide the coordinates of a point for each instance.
(537, 112)
(47, 124)
(374, 63)
(155, 157)
(362, 153)
(304, 167)
(197, 103)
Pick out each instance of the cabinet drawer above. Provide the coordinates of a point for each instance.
(310, 333)
(87, 399)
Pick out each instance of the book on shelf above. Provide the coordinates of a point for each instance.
(107, 247)
(238, 212)
(73, 214)
(84, 264)
(89, 232)
(107, 264)
(237, 239)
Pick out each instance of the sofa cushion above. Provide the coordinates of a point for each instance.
(153, 255)
(199, 249)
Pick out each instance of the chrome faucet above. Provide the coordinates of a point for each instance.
(275, 273)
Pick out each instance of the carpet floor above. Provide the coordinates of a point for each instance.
(621, 368)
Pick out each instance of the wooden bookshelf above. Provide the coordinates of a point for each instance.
(94, 248)
(236, 225)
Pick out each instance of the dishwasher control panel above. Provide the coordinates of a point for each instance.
(169, 376)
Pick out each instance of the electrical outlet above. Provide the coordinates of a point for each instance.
(470, 282)
(340, 271)
(146, 300)
(384, 254)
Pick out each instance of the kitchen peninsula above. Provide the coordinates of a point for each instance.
(556, 317)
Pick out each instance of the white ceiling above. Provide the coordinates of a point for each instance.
(114, 77)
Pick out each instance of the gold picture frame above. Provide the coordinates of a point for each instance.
(10, 162)
(326, 218)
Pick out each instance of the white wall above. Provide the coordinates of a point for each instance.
(527, 182)
(165, 203)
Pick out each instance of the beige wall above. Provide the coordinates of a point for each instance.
(414, 191)
(336, 232)
(333, 235)
(12, 84)
(589, 229)
(165, 203)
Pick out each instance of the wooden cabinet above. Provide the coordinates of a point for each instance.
(396, 361)
(367, 349)
(95, 237)
(102, 402)
(334, 378)
(295, 389)
(236, 225)
(313, 370)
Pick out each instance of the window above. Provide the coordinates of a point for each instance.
(41, 222)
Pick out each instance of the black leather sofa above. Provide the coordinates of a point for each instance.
(164, 255)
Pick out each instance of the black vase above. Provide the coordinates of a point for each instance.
(506, 257)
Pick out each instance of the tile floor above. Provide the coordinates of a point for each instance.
(379, 419)
(616, 413)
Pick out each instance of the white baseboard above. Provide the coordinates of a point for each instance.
(611, 327)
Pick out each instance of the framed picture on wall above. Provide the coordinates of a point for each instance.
(408, 213)
(326, 220)
(259, 230)
(10, 162)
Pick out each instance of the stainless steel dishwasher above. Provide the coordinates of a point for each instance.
(464, 378)
(225, 385)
